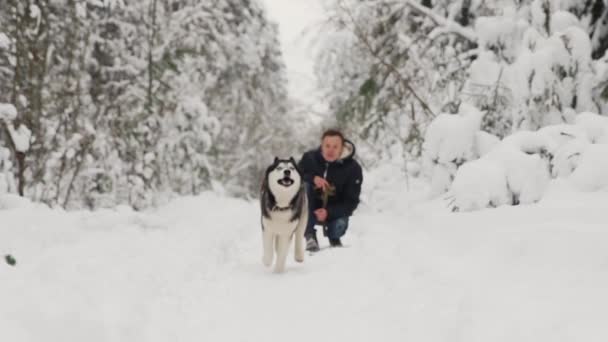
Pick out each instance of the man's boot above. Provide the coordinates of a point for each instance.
(335, 242)
(312, 245)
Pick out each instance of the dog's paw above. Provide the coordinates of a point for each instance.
(299, 258)
(267, 261)
(279, 270)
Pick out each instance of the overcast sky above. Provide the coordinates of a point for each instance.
(293, 17)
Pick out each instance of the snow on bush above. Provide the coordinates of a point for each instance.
(529, 142)
(562, 134)
(529, 78)
(562, 20)
(596, 126)
(523, 164)
(12, 201)
(21, 137)
(5, 42)
(592, 171)
(567, 157)
(8, 112)
(7, 182)
(472, 192)
(450, 141)
(515, 171)
(485, 142)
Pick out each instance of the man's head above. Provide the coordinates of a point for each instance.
(332, 143)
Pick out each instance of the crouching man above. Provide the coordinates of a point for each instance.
(333, 183)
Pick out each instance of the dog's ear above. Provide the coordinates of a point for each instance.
(276, 160)
(295, 164)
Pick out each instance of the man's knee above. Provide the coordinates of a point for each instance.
(337, 228)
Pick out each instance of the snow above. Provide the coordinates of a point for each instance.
(8, 112)
(485, 142)
(500, 31)
(523, 163)
(596, 126)
(5, 42)
(191, 271)
(515, 171)
(566, 158)
(480, 184)
(449, 141)
(592, 171)
(562, 20)
(21, 137)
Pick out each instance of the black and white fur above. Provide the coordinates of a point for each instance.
(284, 212)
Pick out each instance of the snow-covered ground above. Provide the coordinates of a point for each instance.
(412, 271)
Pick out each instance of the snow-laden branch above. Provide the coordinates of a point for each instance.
(404, 81)
(20, 137)
(447, 25)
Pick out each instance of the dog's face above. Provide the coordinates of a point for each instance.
(283, 176)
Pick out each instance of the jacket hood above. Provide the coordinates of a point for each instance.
(348, 151)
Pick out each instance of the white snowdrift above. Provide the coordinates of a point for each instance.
(472, 192)
(592, 171)
(451, 140)
(596, 126)
(512, 173)
(527, 160)
(191, 271)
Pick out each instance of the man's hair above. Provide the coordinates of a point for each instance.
(333, 133)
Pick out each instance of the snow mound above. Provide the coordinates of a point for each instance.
(450, 140)
(562, 20)
(567, 157)
(472, 192)
(12, 201)
(592, 171)
(516, 170)
(485, 142)
(596, 126)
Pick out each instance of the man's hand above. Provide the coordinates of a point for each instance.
(320, 182)
(321, 215)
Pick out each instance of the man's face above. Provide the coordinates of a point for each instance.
(331, 148)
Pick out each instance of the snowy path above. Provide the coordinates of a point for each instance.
(192, 272)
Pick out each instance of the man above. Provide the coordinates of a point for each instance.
(331, 171)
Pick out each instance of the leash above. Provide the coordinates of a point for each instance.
(330, 190)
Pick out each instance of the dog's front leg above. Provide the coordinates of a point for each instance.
(268, 238)
(299, 247)
(299, 234)
(282, 249)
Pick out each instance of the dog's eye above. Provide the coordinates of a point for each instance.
(279, 168)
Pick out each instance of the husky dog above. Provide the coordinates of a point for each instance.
(284, 212)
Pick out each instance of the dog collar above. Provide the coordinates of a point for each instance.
(277, 208)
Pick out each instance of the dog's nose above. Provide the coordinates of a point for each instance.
(287, 173)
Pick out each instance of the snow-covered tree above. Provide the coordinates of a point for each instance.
(128, 100)
(394, 71)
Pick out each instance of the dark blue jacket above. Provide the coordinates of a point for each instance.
(345, 174)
